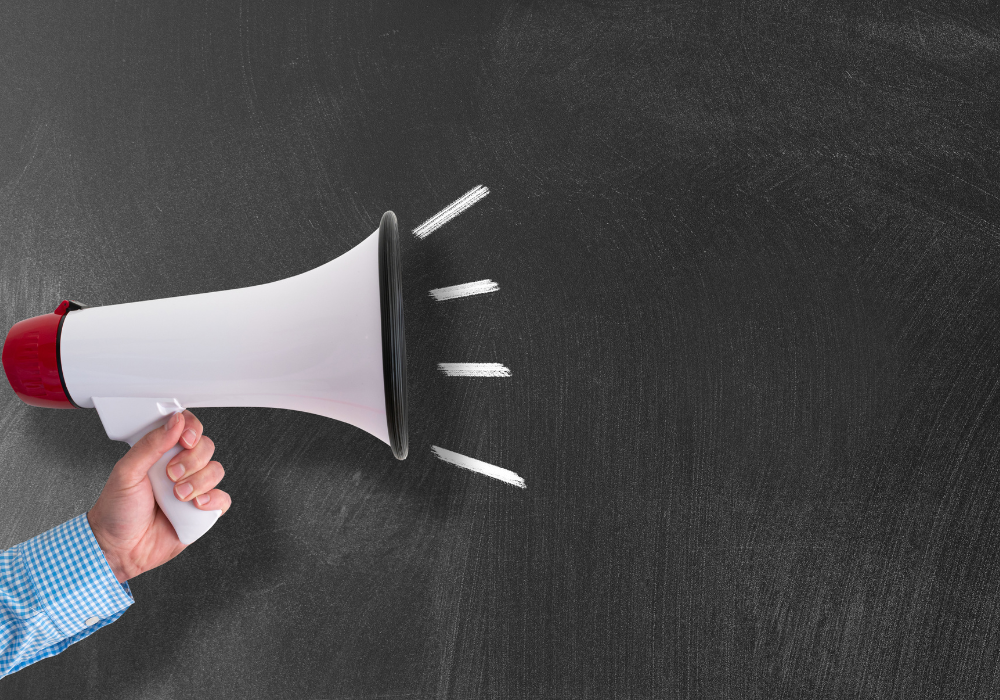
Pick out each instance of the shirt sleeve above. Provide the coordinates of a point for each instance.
(55, 589)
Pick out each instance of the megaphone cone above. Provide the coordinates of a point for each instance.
(329, 341)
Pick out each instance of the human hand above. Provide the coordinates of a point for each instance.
(133, 532)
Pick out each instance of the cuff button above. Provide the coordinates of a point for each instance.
(91, 621)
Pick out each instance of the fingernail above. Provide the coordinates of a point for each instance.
(183, 490)
(172, 423)
(203, 499)
(175, 471)
(189, 437)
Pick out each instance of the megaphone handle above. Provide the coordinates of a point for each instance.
(129, 419)
(189, 522)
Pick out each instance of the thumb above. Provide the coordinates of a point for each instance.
(132, 468)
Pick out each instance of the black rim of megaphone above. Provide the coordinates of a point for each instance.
(390, 282)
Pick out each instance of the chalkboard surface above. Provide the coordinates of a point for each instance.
(748, 266)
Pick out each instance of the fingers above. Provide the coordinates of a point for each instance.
(202, 481)
(188, 462)
(215, 499)
(132, 468)
(192, 430)
(193, 471)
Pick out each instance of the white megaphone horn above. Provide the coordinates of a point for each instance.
(329, 341)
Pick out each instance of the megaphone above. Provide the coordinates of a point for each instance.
(329, 341)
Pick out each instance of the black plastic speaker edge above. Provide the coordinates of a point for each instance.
(71, 306)
(390, 282)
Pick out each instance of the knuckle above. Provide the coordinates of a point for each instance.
(211, 474)
(192, 421)
(150, 442)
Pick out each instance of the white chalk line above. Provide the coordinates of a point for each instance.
(451, 211)
(474, 369)
(479, 467)
(464, 290)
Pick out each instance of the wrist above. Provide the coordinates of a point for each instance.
(114, 561)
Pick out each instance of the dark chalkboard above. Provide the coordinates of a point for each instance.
(748, 266)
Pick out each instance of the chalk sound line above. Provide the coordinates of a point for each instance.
(479, 467)
(451, 211)
(474, 369)
(464, 290)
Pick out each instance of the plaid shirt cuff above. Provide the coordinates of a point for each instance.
(72, 580)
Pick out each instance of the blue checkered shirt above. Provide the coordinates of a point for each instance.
(55, 589)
